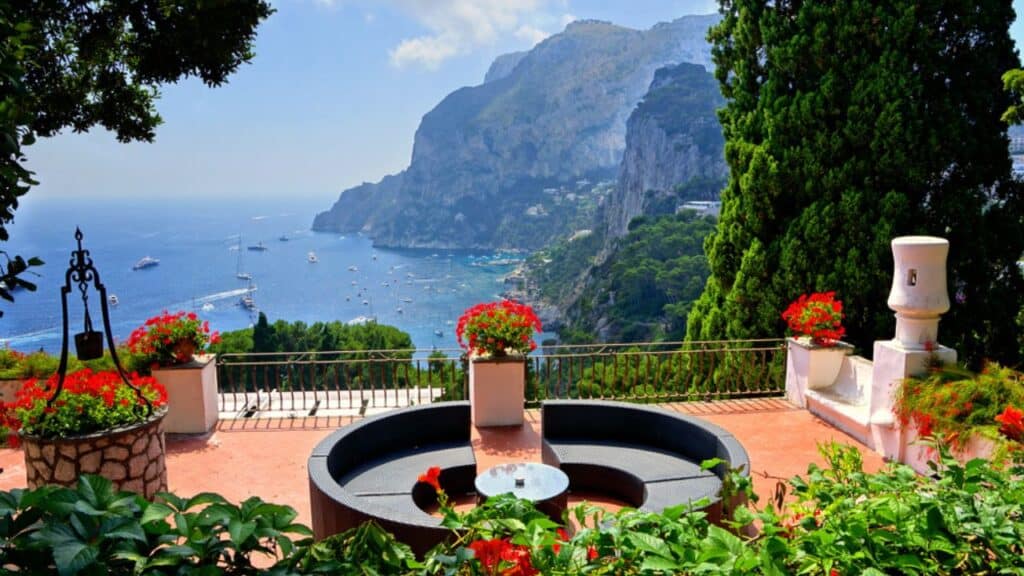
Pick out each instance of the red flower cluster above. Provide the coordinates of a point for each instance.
(89, 402)
(1011, 423)
(499, 557)
(818, 316)
(171, 338)
(498, 329)
(433, 477)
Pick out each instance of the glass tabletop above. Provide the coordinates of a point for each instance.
(529, 480)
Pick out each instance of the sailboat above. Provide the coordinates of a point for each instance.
(238, 269)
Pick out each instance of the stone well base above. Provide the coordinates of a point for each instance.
(131, 457)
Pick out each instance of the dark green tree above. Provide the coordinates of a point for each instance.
(264, 336)
(847, 124)
(78, 64)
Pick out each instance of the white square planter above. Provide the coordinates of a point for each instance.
(497, 392)
(191, 395)
(815, 367)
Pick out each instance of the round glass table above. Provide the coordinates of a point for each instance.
(546, 486)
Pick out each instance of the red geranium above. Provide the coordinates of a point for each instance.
(818, 316)
(503, 328)
(499, 556)
(89, 402)
(168, 338)
(1011, 423)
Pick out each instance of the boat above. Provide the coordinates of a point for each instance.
(407, 300)
(145, 262)
(238, 269)
(208, 306)
(247, 301)
(353, 269)
(113, 299)
(399, 310)
(311, 257)
(438, 333)
(284, 238)
(257, 247)
(374, 256)
(366, 302)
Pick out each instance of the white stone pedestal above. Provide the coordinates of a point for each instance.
(892, 364)
(191, 395)
(497, 391)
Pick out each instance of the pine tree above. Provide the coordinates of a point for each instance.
(850, 123)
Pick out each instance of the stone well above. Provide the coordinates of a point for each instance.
(132, 457)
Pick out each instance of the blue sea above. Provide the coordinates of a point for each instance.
(203, 244)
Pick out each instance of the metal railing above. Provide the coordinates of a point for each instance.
(357, 381)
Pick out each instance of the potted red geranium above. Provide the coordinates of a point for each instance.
(174, 345)
(815, 351)
(97, 424)
(497, 336)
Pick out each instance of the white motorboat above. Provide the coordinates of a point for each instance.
(311, 257)
(145, 262)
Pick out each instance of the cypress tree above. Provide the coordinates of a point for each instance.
(849, 123)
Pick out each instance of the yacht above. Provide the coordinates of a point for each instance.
(247, 302)
(366, 302)
(208, 306)
(407, 300)
(399, 310)
(258, 247)
(311, 257)
(284, 238)
(353, 269)
(113, 299)
(438, 333)
(145, 262)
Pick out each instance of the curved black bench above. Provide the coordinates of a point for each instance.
(368, 471)
(647, 457)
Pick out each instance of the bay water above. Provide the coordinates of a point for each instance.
(203, 245)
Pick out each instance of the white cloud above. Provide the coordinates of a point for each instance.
(459, 26)
(531, 34)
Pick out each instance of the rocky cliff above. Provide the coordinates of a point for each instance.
(486, 159)
(674, 148)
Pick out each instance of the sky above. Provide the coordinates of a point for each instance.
(332, 98)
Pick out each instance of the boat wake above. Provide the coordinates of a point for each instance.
(223, 295)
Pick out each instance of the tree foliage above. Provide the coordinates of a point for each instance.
(849, 124)
(78, 64)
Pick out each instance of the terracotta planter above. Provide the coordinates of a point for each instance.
(817, 366)
(132, 457)
(8, 388)
(191, 395)
(497, 391)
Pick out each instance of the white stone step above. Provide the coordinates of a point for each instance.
(852, 418)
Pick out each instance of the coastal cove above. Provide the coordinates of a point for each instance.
(202, 248)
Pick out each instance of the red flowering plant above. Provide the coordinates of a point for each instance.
(953, 404)
(497, 329)
(89, 402)
(817, 318)
(168, 339)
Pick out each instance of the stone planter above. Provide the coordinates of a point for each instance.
(132, 457)
(191, 395)
(497, 391)
(815, 367)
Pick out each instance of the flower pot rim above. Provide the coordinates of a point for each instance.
(499, 359)
(198, 361)
(808, 345)
(158, 414)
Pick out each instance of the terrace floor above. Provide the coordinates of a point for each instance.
(267, 457)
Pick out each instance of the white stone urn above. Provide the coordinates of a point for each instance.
(497, 391)
(918, 294)
(813, 366)
(191, 395)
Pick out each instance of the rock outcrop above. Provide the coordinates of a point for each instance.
(547, 119)
(674, 148)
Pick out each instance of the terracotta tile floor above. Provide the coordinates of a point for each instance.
(267, 457)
